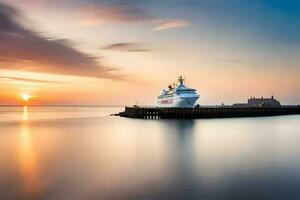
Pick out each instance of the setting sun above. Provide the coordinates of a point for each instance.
(25, 97)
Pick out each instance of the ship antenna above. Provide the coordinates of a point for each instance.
(181, 80)
(136, 103)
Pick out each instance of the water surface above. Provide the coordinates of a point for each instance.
(63, 153)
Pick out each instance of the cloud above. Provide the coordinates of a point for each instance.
(25, 49)
(99, 14)
(230, 60)
(30, 80)
(127, 47)
(168, 24)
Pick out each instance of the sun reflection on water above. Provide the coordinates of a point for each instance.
(25, 114)
(28, 158)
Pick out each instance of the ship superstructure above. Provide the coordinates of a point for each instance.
(178, 96)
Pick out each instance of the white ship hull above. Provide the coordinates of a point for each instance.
(178, 96)
(178, 101)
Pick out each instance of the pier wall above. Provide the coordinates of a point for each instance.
(204, 113)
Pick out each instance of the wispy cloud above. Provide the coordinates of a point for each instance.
(25, 49)
(127, 47)
(99, 14)
(168, 24)
(30, 80)
(230, 60)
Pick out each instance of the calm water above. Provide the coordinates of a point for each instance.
(61, 153)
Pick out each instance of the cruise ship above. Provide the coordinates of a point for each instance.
(178, 96)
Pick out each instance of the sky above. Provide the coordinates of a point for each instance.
(121, 52)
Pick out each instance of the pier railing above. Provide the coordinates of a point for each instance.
(206, 112)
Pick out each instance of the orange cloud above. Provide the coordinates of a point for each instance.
(99, 14)
(29, 80)
(24, 49)
(168, 24)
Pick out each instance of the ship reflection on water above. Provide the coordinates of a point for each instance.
(101, 157)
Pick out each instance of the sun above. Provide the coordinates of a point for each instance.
(25, 97)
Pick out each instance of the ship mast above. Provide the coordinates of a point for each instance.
(180, 80)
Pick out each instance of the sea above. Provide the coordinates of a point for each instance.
(83, 153)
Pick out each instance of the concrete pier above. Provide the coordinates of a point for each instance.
(206, 112)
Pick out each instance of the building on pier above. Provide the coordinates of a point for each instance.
(259, 102)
